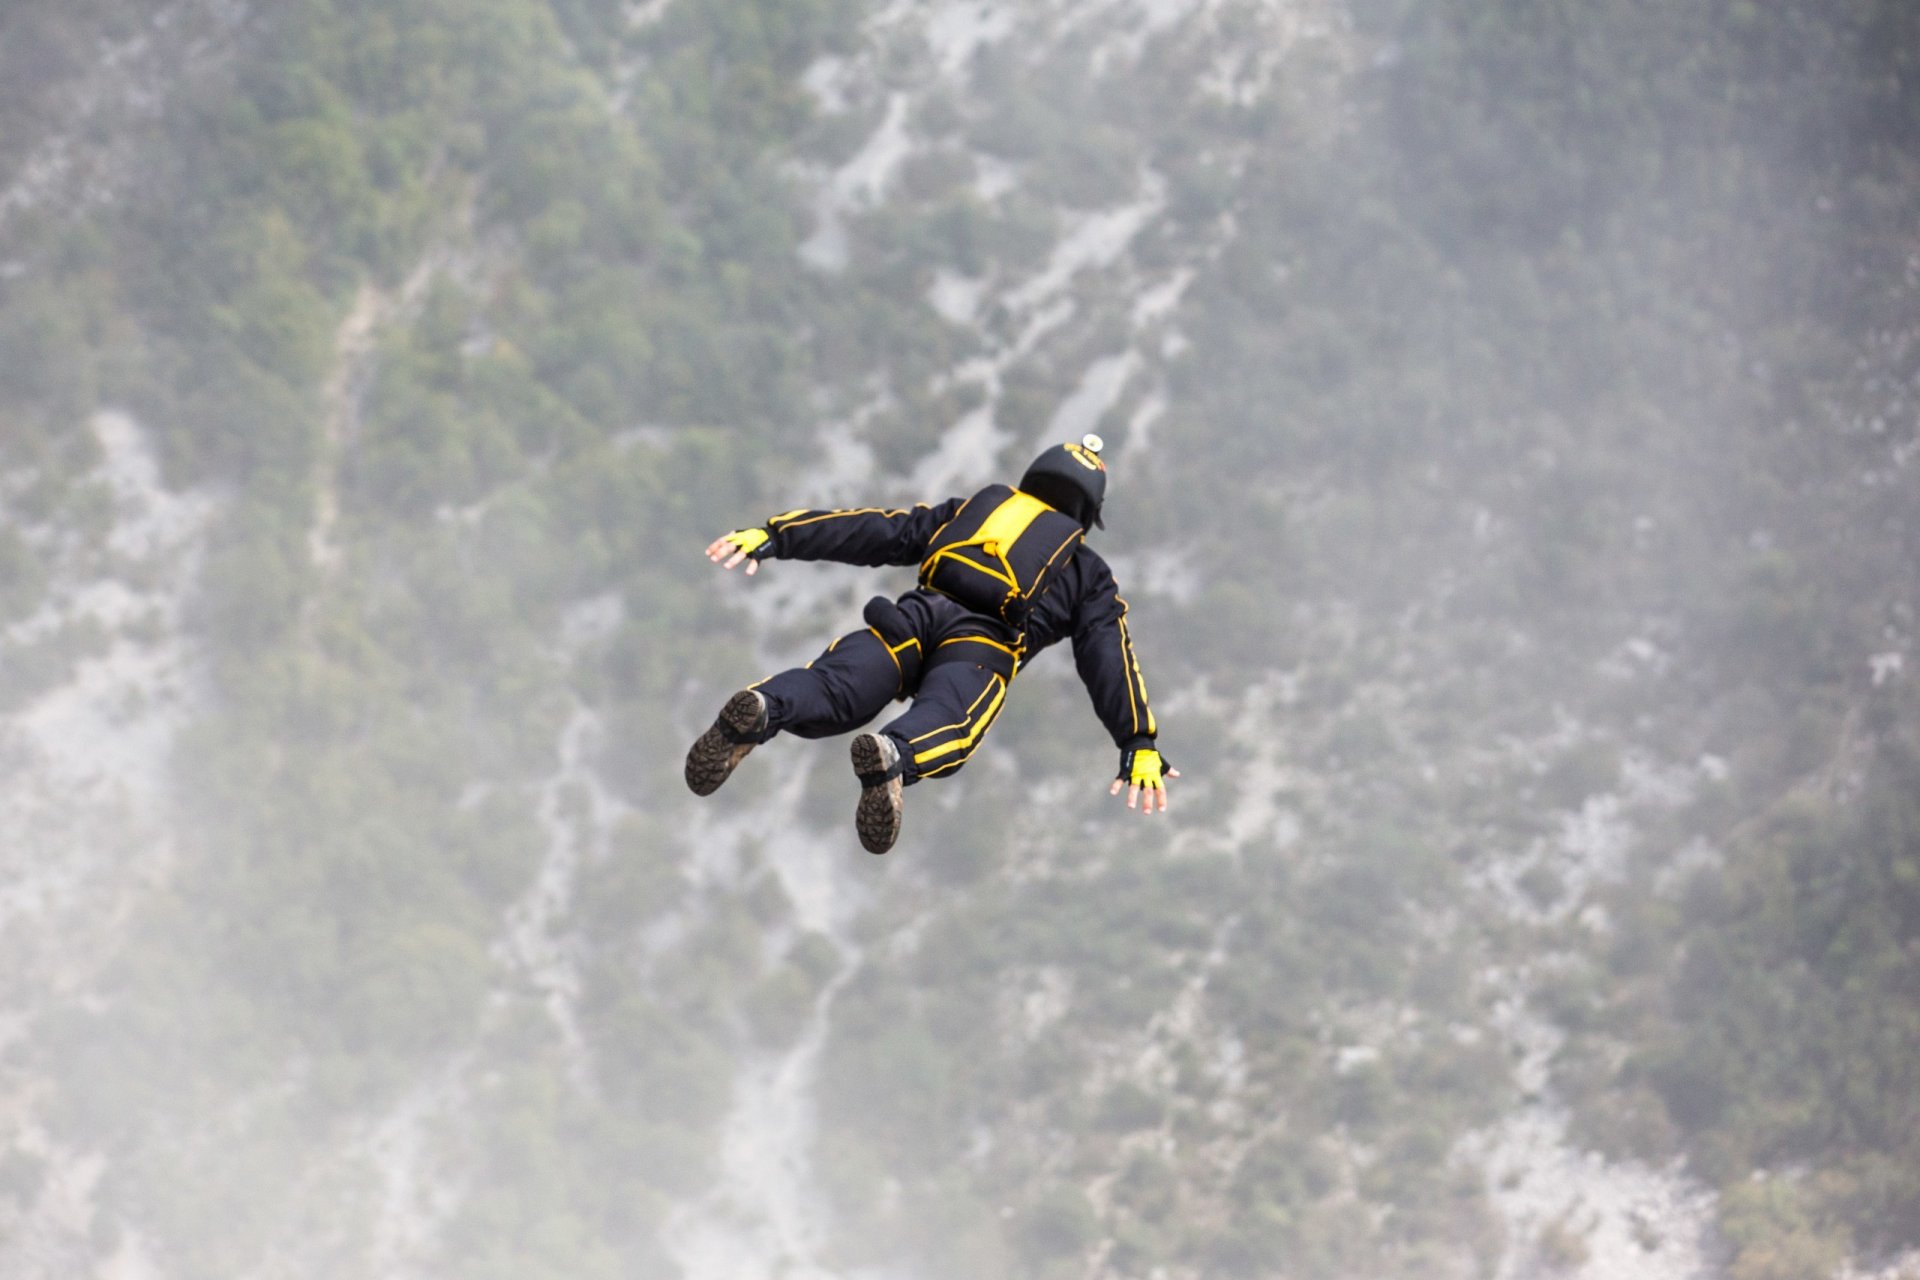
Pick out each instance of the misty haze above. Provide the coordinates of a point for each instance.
(1512, 430)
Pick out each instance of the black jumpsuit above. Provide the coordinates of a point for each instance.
(955, 664)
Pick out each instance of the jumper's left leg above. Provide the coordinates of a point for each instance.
(842, 689)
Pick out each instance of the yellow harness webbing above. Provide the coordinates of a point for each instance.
(996, 534)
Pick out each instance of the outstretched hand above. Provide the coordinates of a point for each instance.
(1143, 770)
(729, 549)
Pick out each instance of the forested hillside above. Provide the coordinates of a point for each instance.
(1512, 416)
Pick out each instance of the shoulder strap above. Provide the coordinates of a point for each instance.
(1006, 522)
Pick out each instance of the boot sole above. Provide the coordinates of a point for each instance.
(713, 756)
(877, 816)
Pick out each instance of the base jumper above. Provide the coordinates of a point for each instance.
(1003, 574)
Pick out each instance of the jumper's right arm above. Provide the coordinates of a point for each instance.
(1103, 652)
(859, 535)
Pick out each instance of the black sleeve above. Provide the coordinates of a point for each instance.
(1103, 653)
(860, 535)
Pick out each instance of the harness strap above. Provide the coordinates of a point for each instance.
(898, 767)
(998, 658)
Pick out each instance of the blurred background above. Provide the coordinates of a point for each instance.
(1512, 412)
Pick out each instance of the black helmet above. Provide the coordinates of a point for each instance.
(1070, 478)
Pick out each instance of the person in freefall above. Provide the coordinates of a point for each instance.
(1003, 574)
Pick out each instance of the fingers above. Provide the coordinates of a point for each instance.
(1156, 795)
(1153, 795)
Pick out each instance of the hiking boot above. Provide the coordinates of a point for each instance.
(741, 724)
(876, 761)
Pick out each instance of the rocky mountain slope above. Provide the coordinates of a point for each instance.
(1511, 419)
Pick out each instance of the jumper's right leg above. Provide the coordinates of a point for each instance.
(877, 816)
(956, 703)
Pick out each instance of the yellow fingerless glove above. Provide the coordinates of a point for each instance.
(751, 541)
(1142, 767)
